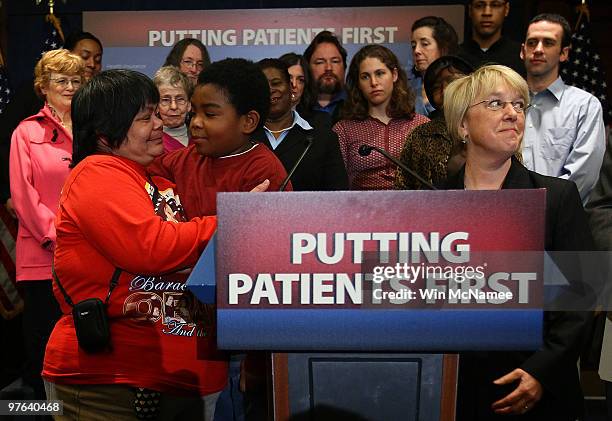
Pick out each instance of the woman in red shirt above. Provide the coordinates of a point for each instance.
(113, 215)
(379, 111)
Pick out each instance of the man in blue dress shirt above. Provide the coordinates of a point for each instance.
(564, 128)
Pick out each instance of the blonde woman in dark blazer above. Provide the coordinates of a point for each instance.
(487, 111)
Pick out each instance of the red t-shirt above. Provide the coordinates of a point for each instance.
(106, 220)
(199, 178)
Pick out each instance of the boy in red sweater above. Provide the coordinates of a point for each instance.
(229, 103)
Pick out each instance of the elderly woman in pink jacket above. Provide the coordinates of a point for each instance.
(41, 148)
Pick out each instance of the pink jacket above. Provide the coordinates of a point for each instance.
(41, 150)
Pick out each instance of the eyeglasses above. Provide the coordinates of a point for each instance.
(167, 101)
(498, 104)
(495, 5)
(63, 82)
(199, 65)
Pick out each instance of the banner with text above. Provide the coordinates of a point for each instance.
(146, 37)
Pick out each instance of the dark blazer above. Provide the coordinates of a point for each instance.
(554, 365)
(504, 51)
(321, 169)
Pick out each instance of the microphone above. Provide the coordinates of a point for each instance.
(309, 141)
(365, 150)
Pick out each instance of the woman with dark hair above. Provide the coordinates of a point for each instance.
(379, 111)
(116, 223)
(190, 56)
(302, 89)
(287, 134)
(432, 37)
(429, 149)
(89, 48)
(39, 158)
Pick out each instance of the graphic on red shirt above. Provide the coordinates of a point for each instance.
(158, 299)
(167, 205)
(143, 306)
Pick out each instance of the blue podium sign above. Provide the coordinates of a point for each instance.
(379, 271)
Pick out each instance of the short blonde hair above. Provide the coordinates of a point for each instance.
(170, 75)
(463, 92)
(56, 61)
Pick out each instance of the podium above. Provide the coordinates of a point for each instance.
(369, 386)
(323, 280)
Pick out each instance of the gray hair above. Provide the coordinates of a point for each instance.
(170, 75)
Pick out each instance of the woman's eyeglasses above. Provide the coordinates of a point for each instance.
(498, 104)
(167, 101)
(199, 65)
(63, 82)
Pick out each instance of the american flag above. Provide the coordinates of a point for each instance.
(11, 303)
(52, 39)
(584, 68)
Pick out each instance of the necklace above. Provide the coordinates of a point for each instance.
(242, 149)
(55, 114)
(278, 131)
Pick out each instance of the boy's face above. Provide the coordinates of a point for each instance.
(216, 128)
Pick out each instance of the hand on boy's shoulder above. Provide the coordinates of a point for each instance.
(261, 187)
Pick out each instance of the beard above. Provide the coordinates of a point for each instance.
(327, 86)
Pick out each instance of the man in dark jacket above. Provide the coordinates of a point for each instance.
(488, 45)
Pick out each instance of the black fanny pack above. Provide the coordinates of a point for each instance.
(90, 318)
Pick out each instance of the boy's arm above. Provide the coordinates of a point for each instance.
(165, 165)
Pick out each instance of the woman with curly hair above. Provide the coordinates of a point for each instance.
(379, 111)
(39, 164)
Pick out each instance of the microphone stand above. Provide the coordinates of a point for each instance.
(309, 140)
